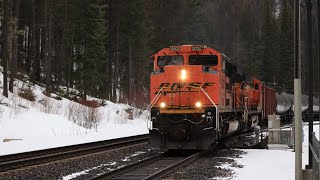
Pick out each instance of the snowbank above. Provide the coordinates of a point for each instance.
(46, 122)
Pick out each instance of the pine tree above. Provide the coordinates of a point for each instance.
(101, 47)
(266, 67)
(132, 42)
(286, 48)
(90, 37)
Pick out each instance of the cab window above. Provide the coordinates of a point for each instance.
(170, 60)
(204, 60)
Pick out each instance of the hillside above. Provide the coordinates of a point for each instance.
(55, 121)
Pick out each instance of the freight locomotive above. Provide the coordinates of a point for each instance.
(198, 97)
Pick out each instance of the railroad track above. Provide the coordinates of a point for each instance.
(22, 160)
(152, 168)
(161, 165)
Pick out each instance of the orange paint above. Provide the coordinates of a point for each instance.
(180, 81)
(185, 93)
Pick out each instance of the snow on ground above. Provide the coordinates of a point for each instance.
(48, 123)
(271, 164)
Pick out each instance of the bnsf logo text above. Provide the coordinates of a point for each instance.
(183, 87)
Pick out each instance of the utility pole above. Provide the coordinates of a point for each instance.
(310, 78)
(297, 93)
(318, 6)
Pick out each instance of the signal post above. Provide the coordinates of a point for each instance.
(297, 94)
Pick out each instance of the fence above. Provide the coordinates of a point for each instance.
(315, 148)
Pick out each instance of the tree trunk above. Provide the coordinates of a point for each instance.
(47, 48)
(116, 67)
(28, 52)
(20, 50)
(130, 76)
(13, 67)
(61, 67)
(70, 64)
(35, 44)
(46, 44)
(48, 80)
(5, 54)
(108, 86)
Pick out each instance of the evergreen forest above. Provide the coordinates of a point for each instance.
(102, 47)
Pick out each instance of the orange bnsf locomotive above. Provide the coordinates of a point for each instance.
(197, 97)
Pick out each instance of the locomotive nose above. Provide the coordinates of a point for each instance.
(178, 134)
(181, 87)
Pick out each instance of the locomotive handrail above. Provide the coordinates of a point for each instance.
(155, 99)
(153, 102)
(217, 110)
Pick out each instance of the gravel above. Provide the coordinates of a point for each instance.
(210, 165)
(84, 167)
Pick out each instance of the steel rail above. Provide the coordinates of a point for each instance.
(20, 160)
(174, 167)
(151, 164)
(154, 167)
(129, 168)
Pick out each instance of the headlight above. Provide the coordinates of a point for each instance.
(162, 104)
(198, 104)
(183, 74)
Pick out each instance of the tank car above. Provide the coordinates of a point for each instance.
(284, 103)
(284, 106)
(197, 97)
(305, 107)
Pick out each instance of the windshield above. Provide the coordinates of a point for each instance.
(205, 60)
(170, 60)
